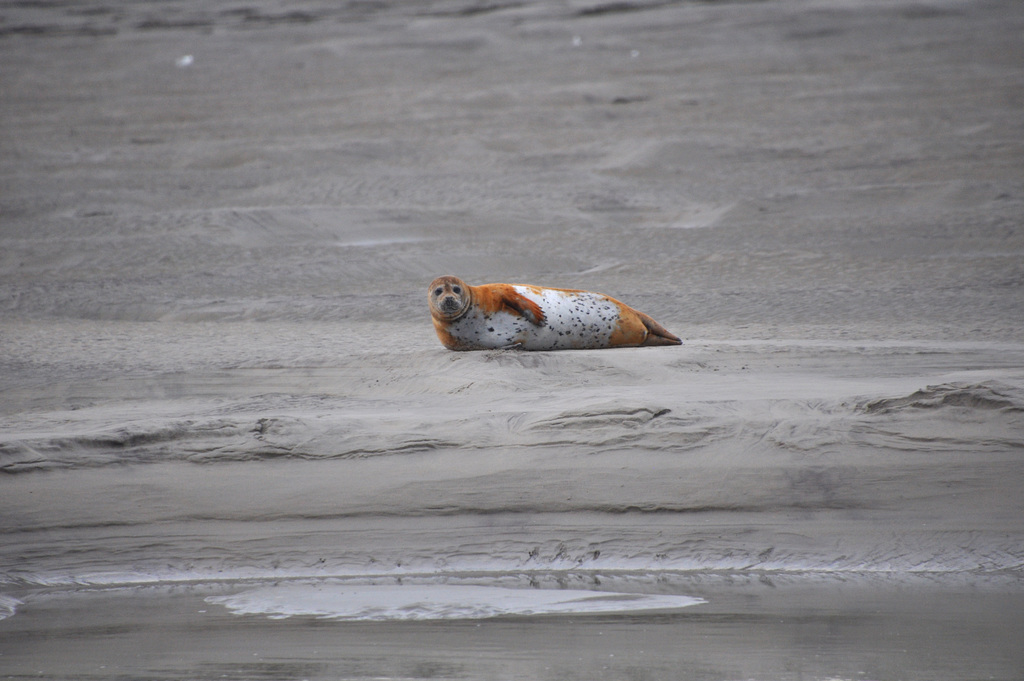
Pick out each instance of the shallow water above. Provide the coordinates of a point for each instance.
(233, 447)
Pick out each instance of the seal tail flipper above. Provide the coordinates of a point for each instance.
(657, 334)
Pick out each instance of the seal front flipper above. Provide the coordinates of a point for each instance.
(520, 304)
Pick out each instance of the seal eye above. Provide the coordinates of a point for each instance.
(457, 290)
(438, 291)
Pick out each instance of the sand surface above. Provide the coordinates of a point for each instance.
(233, 447)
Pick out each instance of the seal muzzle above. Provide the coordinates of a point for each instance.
(450, 305)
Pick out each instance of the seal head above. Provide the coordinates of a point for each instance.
(449, 297)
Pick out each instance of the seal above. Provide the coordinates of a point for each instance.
(494, 316)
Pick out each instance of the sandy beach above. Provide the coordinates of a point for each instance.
(232, 446)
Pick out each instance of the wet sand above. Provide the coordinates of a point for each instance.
(233, 447)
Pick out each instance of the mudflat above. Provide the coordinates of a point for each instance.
(233, 447)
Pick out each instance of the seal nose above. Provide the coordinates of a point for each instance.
(450, 304)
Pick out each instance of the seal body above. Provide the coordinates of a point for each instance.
(494, 316)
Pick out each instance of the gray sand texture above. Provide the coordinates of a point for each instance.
(231, 445)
